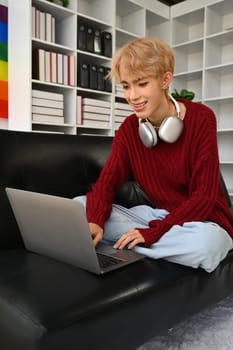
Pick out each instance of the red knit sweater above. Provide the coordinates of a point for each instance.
(182, 177)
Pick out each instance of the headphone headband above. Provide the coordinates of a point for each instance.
(177, 106)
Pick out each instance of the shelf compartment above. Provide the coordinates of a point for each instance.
(90, 57)
(157, 26)
(223, 111)
(219, 17)
(41, 44)
(92, 22)
(60, 12)
(188, 27)
(130, 17)
(225, 145)
(69, 99)
(57, 129)
(99, 9)
(219, 82)
(227, 172)
(123, 37)
(219, 49)
(65, 22)
(189, 57)
(189, 81)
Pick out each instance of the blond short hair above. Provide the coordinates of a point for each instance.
(152, 56)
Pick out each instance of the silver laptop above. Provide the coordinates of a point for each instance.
(57, 227)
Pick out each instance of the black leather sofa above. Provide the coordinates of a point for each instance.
(46, 304)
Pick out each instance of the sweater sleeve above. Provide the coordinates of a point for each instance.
(112, 177)
(203, 184)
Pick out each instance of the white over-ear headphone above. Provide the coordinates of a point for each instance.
(169, 130)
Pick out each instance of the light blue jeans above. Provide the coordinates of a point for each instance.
(195, 244)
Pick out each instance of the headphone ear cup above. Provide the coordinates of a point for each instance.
(171, 129)
(147, 134)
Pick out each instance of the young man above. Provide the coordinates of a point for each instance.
(171, 149)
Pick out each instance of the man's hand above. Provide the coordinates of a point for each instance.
(96, 232)
(129, 239)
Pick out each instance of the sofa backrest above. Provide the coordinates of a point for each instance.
(57, 164)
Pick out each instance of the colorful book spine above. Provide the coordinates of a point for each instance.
(43, 25)
(53, 67)
(3, 61)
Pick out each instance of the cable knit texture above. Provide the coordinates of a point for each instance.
(181, 177)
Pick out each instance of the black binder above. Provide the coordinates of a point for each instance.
(93, 76)
(82, 37)
(90, 39)
(97, 41)
(83, 75)
(107, 80)
(106, 41)
(100, 78)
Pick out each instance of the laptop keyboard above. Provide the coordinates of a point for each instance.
(107, 261)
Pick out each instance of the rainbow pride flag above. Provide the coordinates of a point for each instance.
(3, 62)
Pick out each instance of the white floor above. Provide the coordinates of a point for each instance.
(212, 329)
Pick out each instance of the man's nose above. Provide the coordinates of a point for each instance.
(133, 93)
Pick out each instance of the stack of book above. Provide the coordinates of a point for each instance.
(93, 113)
(122, 110)
(47, 107)
(119, 91)
(43, 25)
(53, 67)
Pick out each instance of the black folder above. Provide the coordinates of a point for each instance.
(83, 75)
(93, 76)
(90, 39)
(97, 41)
(82, 37)
(101, 78)
(107, 80)
(106, 41)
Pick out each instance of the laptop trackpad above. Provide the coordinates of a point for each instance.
(125, 254)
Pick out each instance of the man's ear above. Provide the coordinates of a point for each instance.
(166, 80)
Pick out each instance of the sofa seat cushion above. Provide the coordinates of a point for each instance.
(46, 298)
(54, 294)
(42, 295)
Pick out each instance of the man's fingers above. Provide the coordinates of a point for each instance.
(130, 239)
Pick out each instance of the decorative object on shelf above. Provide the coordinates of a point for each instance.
(184, 93)
(64, 3)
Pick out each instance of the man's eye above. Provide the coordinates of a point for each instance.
(125, 87)
(143, 84)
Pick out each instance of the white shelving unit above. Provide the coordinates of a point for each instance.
(202, 38)
(200, 31)
(124, 19)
